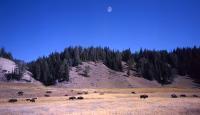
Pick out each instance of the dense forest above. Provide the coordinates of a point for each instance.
(55, 67)
(161, 66)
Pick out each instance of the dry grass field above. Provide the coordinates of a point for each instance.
(97, 101)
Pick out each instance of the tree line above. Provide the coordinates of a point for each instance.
(161, 65)
(5, 54)
(55, 67)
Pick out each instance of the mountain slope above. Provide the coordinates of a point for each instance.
(100, 76)
(7, 66)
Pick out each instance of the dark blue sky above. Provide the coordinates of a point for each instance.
(32, 28)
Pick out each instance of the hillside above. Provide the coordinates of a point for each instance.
(7, 66)
(100, 76)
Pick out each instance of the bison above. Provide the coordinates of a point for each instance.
(20, 93)
(32, 100)
(143, 96)
(12, 100)
(79, 93)
(80, 98)
(48, 91)
(28, 99)
(182, 95)
(133, 92)
(174, 96)
(47, 95)
(85, 92)
(195, 95)
(72, 98)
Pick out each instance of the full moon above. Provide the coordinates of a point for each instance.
(109, 9)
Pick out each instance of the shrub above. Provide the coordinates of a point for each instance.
(34, 98)
(101, 93)
(86, 71)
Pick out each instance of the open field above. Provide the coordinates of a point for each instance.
(97, 101)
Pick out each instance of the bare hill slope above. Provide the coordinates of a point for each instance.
(8, 66)
(100, 76)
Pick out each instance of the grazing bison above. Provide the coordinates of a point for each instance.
(79, 93)
(80, 98)
(32, 100)
(95, 91)
(48, 91)
(174, 96)
(133, 92)
(20, 93)
(182, 95)
(85, 92)
(143, 96)
(72, 98)
(47, 95)
(12, 100)
(195, 95)
(28, 99)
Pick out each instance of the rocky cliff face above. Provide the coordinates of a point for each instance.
(7, 66)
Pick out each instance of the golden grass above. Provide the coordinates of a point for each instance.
(111, 102)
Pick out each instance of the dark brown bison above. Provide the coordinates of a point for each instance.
(79, 93)
(183, 95)
(28, 99)
(195, 95)
(72, 98)
(12, 100)
(32, 99)
(48, 91)
(47, 95)
(174, 96)
(85, 92)
(143, 96)
(133, 92)
(80, 98)
(20, 93)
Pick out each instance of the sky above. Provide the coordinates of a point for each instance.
(33, 28)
